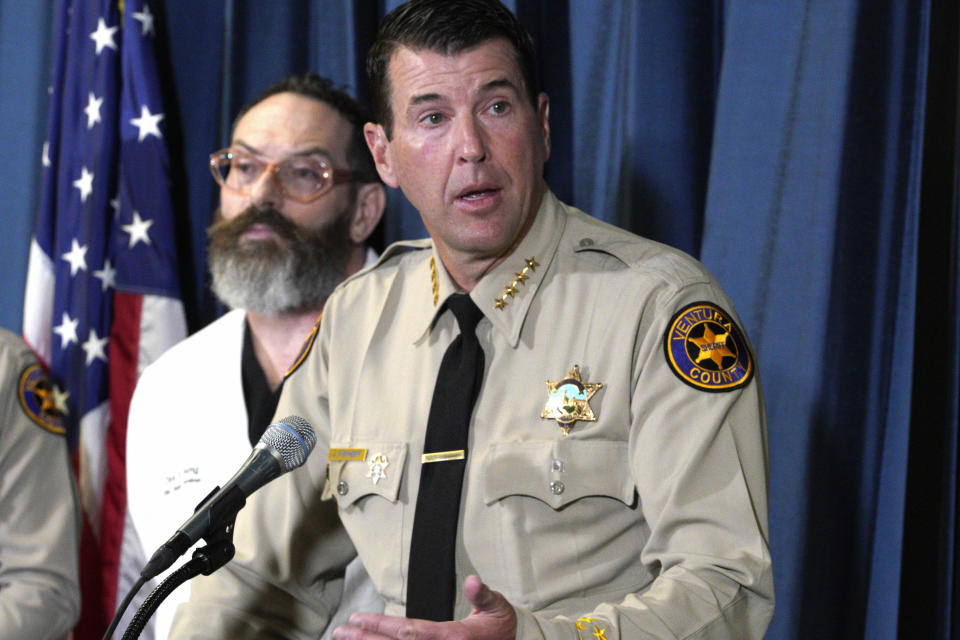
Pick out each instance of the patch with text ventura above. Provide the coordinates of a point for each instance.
(706, 349)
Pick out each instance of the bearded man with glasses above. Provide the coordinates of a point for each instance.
(299, 197)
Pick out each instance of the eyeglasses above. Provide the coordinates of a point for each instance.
(300, 178)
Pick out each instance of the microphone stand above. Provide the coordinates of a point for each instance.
(217, 552)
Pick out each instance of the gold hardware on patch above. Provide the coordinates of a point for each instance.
(347, 455)
(519, 279)
(443, 456)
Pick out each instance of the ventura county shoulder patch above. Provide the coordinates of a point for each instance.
(706, 349)
(38, 399)
(305, 349)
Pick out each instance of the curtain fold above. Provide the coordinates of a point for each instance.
(769, 236)
(929, 602)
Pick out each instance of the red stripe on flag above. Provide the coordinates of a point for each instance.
(101, 579)
(124, 356)
(93, 616)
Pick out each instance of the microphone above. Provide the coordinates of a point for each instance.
(283, 447)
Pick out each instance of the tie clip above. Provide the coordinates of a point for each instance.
(443, 456)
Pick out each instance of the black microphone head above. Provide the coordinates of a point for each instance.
(293, 438)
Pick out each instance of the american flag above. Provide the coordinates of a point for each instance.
(102, 296)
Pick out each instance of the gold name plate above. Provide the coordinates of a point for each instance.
(347, 455)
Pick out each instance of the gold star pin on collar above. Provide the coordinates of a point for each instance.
(434, 281)
(513, 288)
(568, 400)
(584, 624)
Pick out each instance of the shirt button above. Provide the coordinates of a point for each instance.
(342, 488)
(556, 487)
(586, 242)
(557, 465)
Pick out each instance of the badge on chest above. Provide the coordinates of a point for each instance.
(568, 400)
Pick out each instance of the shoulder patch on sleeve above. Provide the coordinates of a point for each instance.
(305, 349)
(40, 400)
(706, 349)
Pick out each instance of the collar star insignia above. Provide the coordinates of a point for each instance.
(568, 400)
(584, 624)
(434, 281)
(378, 466)
(513, 288)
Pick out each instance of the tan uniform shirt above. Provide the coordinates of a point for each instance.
(648, 522)
(39, 517)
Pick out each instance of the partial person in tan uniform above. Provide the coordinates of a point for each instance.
(299, 198)
(614, 474)
(39, 513)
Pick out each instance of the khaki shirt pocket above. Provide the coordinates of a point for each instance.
(367, 488)
(378, 472)
(558, 472)
(560, 518)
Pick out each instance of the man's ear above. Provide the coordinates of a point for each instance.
(379, 149)
(543, 115)
(371, 201)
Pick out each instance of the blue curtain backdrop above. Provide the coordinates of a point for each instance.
(805, 150)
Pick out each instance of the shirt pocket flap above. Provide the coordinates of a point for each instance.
(558, 472)
(378, 472)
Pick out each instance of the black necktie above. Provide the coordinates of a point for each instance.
(431, 587)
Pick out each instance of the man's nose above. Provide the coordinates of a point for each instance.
(472, 145)
(266, 191)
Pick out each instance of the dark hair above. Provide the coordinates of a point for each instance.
(310, 85)
(447, 27)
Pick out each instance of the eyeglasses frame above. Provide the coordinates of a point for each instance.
(337, 176)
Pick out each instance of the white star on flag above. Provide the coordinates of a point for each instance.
(84, 183)
(45, 156)
(77, 257)
(95, 347)
(146, 19)
(147, 123)
(93, 110)
(107, 275)
(137, 230)
(103, 36)
(60, 399)
(67, 330)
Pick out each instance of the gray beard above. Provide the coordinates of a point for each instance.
(264, 276)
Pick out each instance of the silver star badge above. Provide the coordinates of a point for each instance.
(378, 466)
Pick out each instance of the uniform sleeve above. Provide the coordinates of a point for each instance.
(287, 576)
(698, 453)
(39, 519)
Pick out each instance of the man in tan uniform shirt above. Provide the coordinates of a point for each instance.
(616, 472)
(39, 516)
